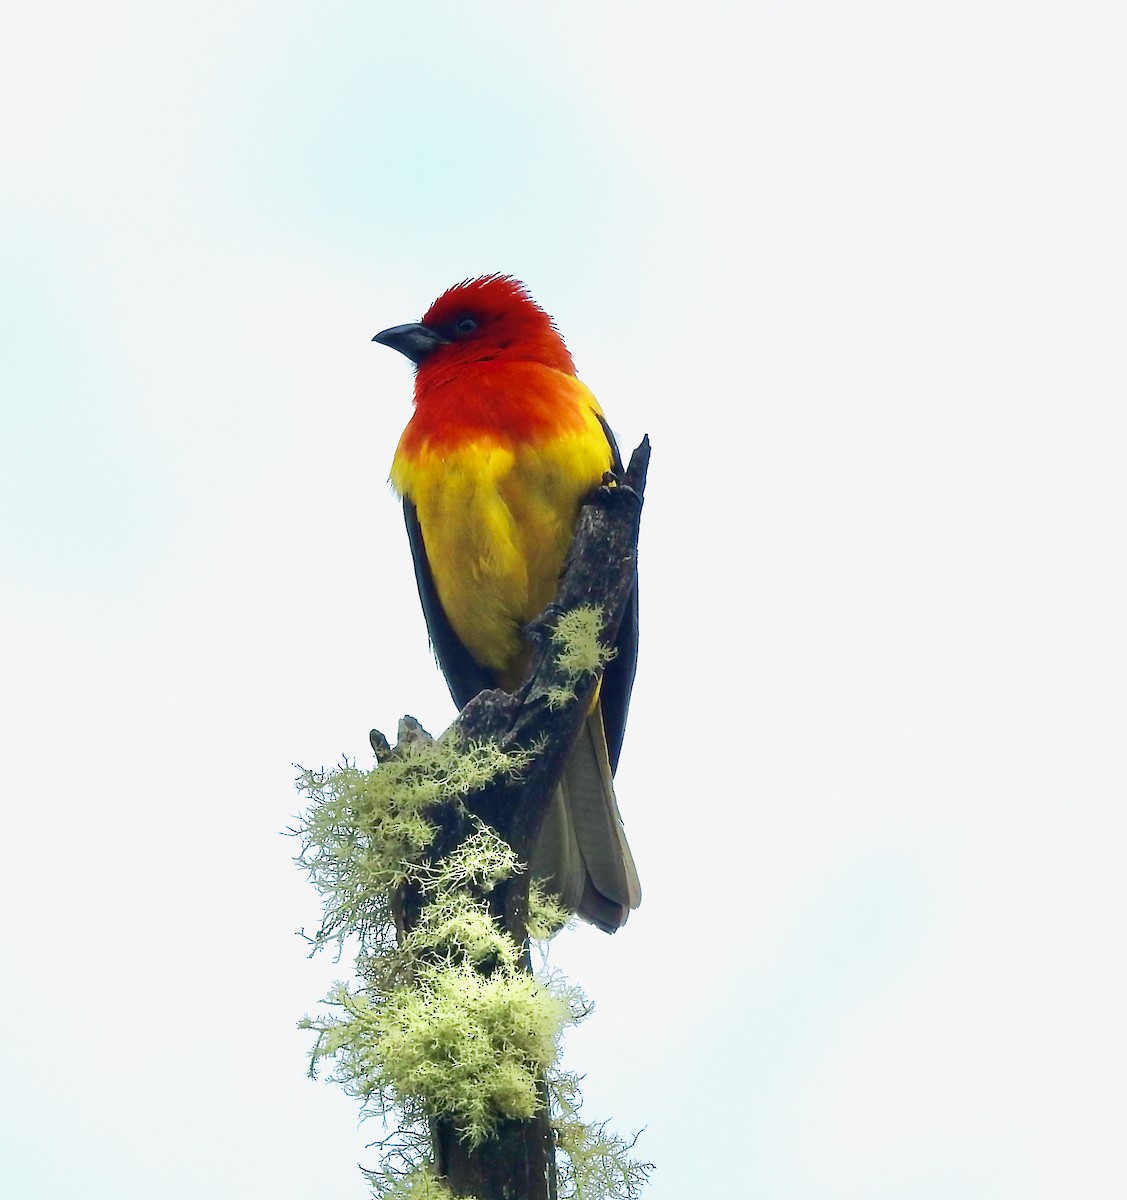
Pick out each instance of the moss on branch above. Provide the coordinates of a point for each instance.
(447, 1034)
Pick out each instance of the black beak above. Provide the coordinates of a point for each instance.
(416, 341)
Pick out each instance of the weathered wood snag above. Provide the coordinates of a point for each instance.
(517, 1162)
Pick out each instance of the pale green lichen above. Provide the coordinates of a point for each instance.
(457, 928)
(416, 1185)
(471, 1046)
(445, 1020)
(580, 652)
(593, 1163)
(365, 831)
(546, 915)
(481, 861)
(458, 1043)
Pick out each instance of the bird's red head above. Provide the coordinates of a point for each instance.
(491, 319)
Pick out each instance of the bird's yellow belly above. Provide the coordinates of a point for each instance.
(497, 522)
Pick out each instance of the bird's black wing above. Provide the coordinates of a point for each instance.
(464, 677)
(618, 678)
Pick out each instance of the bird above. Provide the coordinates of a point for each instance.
(502, 448)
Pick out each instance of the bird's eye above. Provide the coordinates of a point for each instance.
(465, 325)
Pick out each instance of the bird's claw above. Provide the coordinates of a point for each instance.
(612, 489)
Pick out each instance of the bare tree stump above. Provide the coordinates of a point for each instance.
(517, 1162)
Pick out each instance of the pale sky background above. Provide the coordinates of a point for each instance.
(858, 270)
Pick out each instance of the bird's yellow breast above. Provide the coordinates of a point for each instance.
(497, 515)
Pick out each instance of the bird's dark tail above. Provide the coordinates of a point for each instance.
(582, 854)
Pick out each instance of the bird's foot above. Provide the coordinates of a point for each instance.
(613, 490)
